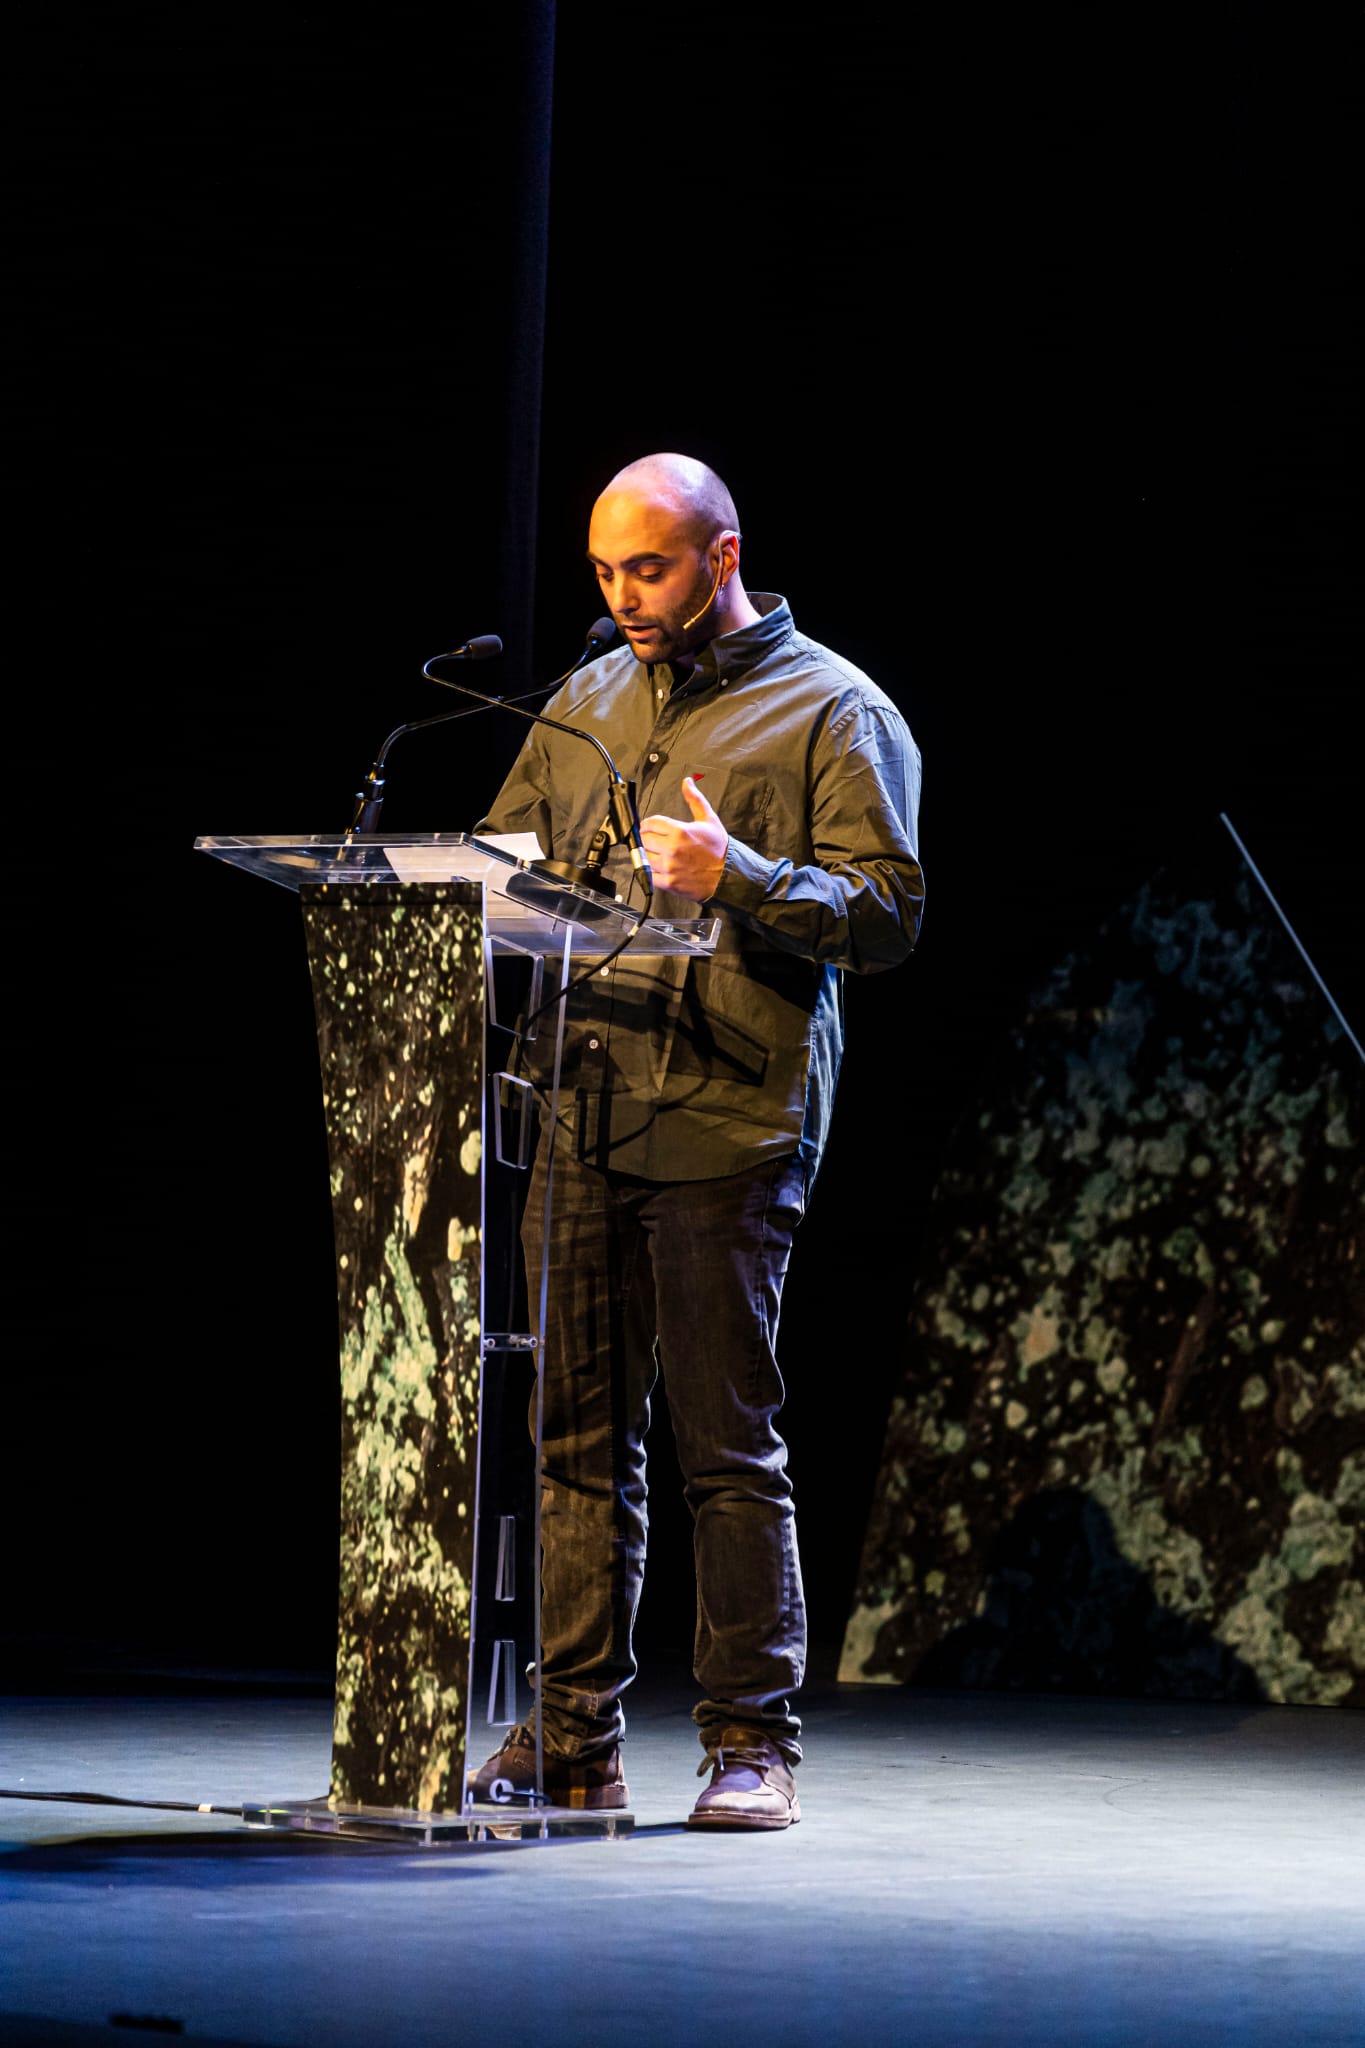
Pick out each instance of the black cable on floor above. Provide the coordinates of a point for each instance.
(112, 1799)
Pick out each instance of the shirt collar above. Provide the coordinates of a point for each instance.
(733, 654)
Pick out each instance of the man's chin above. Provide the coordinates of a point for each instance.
(654, 646)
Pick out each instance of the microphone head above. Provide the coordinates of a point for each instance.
(601, 631)
(482, 647)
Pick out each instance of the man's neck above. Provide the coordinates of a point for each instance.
(737, 612)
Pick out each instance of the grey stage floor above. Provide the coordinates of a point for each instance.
(970, 1869)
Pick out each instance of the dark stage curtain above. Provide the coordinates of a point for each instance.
(1029, 344)
(284, 296)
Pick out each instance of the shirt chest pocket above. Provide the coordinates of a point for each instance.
(742, 800)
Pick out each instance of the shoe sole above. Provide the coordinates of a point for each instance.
(737, 1824)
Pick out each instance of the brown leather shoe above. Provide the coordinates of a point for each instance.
(751, 1784)
(509, 1777)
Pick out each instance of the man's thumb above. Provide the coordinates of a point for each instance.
(695, 801)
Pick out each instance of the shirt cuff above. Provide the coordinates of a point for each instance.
(745, 879)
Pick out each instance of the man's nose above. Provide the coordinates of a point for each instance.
(627, 598)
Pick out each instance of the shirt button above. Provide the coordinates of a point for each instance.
(653, 757)
(593, 1044)
(620, 899)
(658, 693)
(604, 970)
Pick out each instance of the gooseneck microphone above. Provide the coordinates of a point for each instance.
(369, 798)
(480, 648)
(621, 824)
(622, 821)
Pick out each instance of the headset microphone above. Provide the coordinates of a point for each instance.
(716, 589)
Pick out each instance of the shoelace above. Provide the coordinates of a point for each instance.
(720, 1757)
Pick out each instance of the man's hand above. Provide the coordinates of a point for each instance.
(687, 859)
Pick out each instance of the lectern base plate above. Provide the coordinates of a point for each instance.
(435, 1830)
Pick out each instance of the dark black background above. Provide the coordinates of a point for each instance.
(1027, 342)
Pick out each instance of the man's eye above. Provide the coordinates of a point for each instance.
(650, 575)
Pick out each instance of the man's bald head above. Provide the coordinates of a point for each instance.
(685, 487)
(664, 543)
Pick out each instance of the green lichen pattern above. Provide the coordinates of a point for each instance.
(398, 993)
(1129, 1454)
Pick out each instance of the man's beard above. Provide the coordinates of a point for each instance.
(672, 641)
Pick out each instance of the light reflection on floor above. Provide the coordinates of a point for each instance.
(970, 1869)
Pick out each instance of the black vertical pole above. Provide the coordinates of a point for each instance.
(533, 55)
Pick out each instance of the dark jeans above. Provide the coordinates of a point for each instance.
(683, 1278)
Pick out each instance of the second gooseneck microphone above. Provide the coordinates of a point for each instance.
(624, 820)
(369, 798)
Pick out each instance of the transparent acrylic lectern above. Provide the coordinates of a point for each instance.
(426, 953)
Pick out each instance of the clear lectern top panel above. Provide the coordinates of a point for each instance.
(524, 906)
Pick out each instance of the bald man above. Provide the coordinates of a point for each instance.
(780, 792)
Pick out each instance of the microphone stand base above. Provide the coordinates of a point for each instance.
(535, 884)
(583, 878)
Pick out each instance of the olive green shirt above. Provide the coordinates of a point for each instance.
(676, 1069)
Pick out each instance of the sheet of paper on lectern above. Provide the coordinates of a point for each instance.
(443, 863)
(521, 845)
